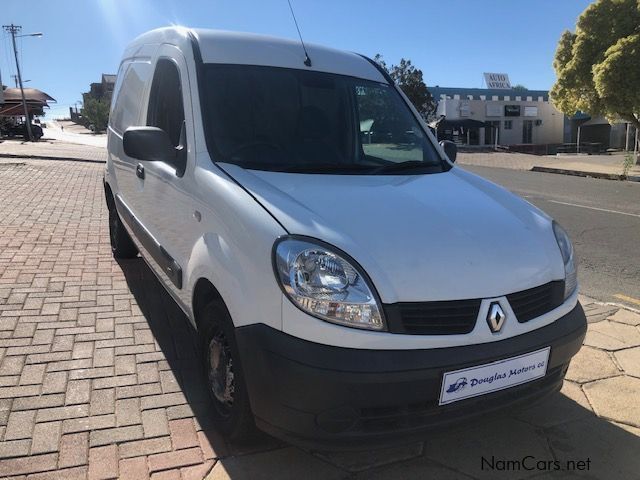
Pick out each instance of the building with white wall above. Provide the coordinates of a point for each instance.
(510, 117)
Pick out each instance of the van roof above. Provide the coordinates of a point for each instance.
(220, 46)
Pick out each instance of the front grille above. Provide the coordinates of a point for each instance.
(455, 317)
(530, 304)
(432, 318)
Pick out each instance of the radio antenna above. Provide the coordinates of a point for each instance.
(307, 60)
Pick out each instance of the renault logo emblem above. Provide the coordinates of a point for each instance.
(495, 317)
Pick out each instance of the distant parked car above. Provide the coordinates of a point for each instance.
(20, 130)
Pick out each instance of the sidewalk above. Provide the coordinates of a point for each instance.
(47, 149)
(73, 133)
(601, 166)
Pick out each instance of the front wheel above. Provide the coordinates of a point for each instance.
(223, 374)
(121, 244)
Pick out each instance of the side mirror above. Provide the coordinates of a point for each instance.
(148, 143)
(450, 149)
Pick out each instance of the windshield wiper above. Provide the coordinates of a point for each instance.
(324, 168)
(403, 166)
(341, 168)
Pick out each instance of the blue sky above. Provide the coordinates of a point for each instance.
(452, 41)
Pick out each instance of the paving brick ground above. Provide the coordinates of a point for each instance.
(98, 377)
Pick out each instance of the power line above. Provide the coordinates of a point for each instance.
(10, 66)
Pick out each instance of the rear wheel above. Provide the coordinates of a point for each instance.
(223, 374)
(121, 244)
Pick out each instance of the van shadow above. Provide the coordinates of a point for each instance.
(177, 340)
(558, 437)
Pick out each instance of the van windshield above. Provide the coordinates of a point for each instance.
(288, 120)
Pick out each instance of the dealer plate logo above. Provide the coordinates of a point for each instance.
(459, 384)
(495, 317)
(494, 376)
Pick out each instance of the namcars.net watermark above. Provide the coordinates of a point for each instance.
(531, 463)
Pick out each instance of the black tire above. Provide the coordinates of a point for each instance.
(121, 244)
(231, 412)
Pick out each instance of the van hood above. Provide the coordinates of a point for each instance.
(445, 236)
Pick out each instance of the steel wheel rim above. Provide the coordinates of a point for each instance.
(220, 374)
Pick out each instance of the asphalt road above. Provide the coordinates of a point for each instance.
(602, 218)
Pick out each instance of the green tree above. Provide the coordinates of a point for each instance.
(96, 112)
(598, 66)
(519, 88)
(409, 79)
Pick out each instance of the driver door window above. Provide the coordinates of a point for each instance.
(166, 110)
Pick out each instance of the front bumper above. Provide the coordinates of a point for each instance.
(323, 396)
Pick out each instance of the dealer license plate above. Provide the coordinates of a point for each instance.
(491, 377)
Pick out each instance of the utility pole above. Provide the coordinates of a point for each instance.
(13, 30)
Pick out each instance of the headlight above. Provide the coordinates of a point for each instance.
(323, 283)
(566, 249)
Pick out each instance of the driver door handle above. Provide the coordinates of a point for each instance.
(140, 171)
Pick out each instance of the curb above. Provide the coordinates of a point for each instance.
(622, 306)
(581, 173)
(47, 157)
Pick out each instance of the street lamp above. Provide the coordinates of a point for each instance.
(15, 79)
(13, 30)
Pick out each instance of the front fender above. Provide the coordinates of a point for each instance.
(249, 292)
(211, 260)
(234, 249)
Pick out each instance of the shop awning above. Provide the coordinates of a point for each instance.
(12, 95)
(36, 100)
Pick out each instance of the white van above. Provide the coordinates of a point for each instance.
(348, 281)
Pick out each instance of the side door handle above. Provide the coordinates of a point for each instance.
(140, 171)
